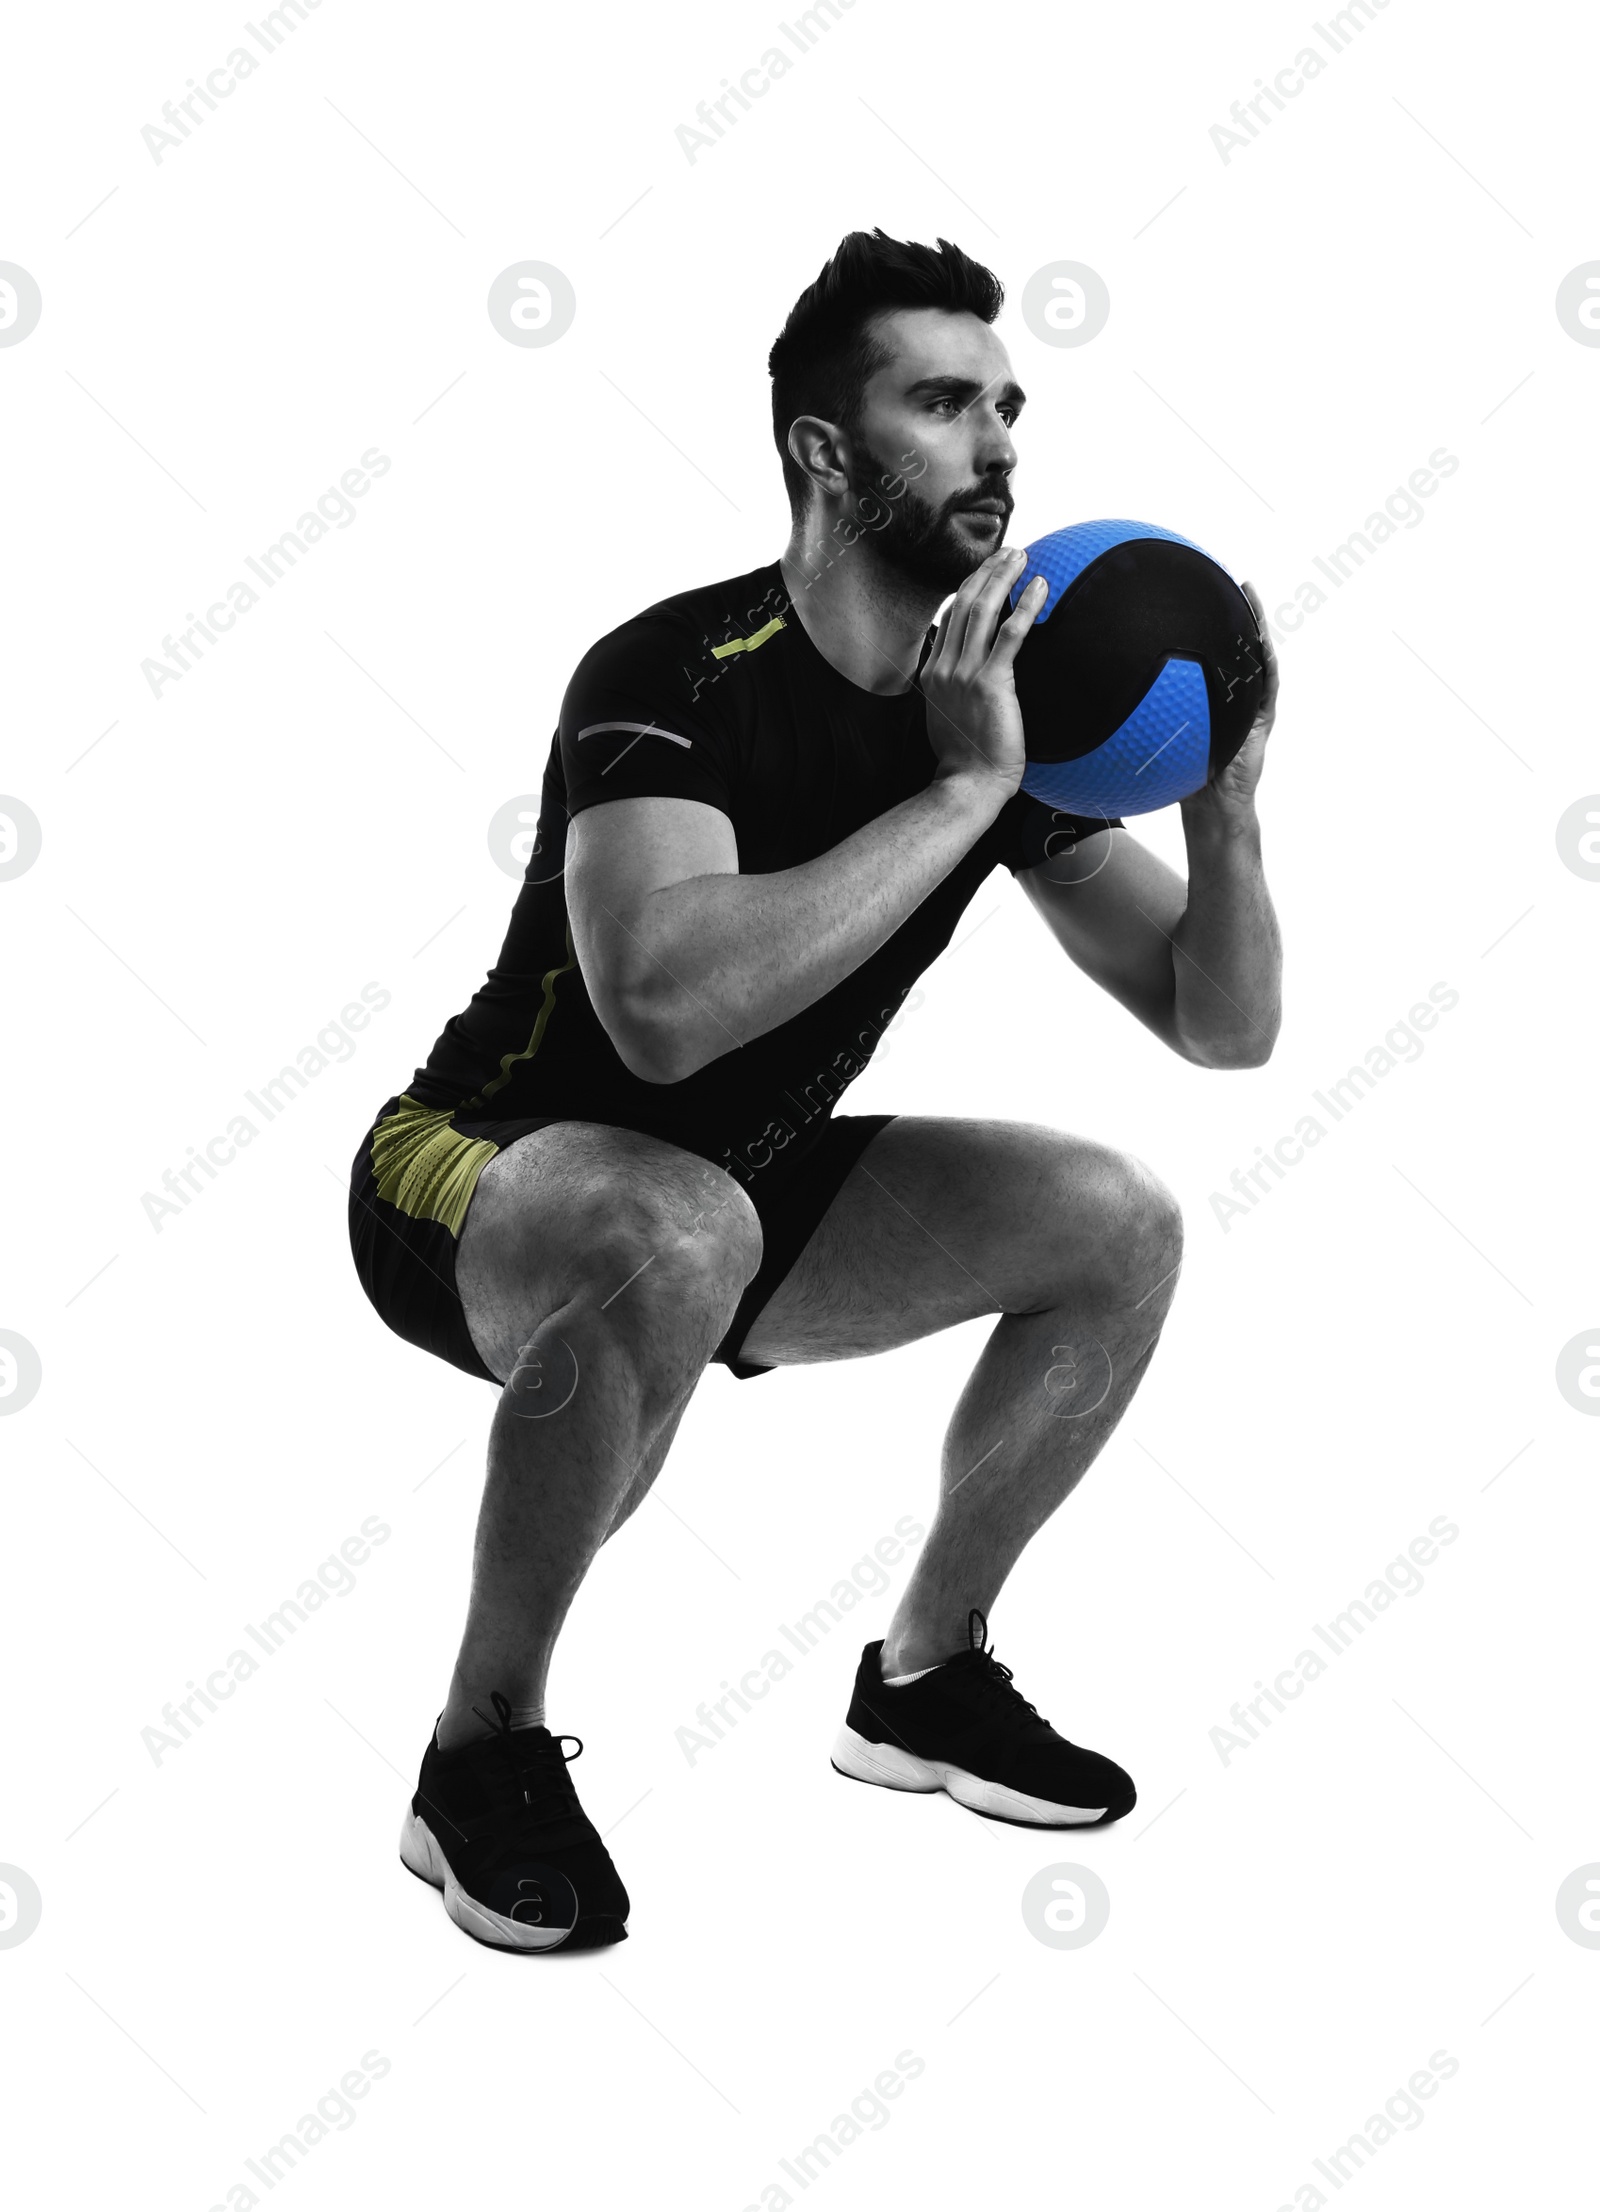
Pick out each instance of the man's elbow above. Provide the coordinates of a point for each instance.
(1255, 1054)
(640, 1061)
(648, 1052)
(1228, 1053)
(649, 1043)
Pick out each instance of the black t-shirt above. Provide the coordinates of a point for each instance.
(717, 695)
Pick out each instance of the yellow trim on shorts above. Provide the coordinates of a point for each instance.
(748, 644)
(510, 1059)
(425, 1167)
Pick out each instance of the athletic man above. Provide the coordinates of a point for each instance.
(765, 809)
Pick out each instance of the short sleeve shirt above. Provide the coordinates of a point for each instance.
(718, 695)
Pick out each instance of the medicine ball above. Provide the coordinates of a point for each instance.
(1141, 674)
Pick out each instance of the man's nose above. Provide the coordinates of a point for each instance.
(996, 455)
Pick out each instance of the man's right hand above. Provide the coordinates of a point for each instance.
(974, 722)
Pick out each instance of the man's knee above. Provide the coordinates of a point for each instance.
(659, 1261)
(673, 1261)
(1132, 1231)
(1147, 1249)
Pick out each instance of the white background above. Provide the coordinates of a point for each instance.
(1292, 332)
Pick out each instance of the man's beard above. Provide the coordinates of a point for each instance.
(919, 541)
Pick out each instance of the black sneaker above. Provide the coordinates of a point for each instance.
(496, 1824)
(962, 1727)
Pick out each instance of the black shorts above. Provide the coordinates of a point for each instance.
(430, 1160)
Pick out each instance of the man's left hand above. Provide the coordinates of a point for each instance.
(1231, 794)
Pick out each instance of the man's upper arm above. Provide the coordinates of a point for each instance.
(650, 774)
(618, 854)
(1112, 905)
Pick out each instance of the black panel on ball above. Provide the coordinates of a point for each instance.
(1082, 672)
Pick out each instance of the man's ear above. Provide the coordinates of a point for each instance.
(822, 451)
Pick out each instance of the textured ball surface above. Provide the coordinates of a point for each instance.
(1142, 672)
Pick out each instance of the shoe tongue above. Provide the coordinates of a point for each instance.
(508, 1729)
(534, 1749)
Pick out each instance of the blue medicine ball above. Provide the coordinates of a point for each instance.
(1141, 674)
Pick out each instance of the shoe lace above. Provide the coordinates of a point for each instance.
(525, 1772)
(990, 1676)
(532, 1768)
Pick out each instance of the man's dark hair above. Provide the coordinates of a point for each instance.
(826, 352)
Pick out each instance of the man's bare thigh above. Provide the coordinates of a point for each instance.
(941, 1221)
(572, 1206)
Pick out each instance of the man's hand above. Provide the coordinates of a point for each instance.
(1231, 795)
(974, 722)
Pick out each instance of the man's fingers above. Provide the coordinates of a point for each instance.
(1017, 625)
(953, 624)
(1269, 686)
(1260, 613)
(972, 614)
(994, 580)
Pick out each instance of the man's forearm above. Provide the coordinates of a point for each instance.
(725, 958)
(1227, 954)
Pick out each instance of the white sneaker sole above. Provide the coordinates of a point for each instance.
(420, 1852)
(894, 1769)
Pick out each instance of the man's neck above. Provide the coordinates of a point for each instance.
(865, 621)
